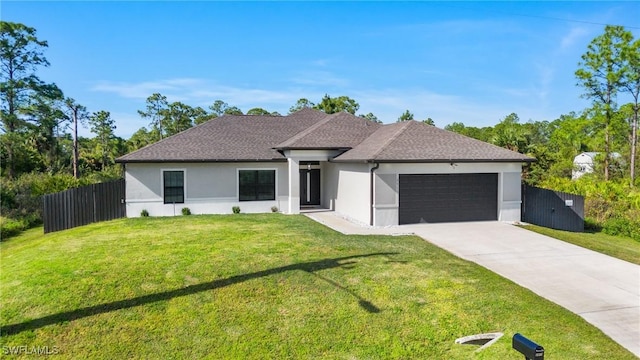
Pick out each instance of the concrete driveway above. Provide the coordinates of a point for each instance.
(603, 290)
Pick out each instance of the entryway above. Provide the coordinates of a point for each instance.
(309, 187)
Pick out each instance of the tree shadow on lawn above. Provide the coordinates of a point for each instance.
(309, 267)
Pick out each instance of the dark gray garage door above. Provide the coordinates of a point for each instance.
(436, 198)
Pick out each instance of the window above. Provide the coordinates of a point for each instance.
(256, 185)
(173, 187)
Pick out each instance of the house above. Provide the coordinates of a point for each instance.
(374, 174)
(584, 162)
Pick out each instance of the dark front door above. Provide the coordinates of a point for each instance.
(310, 187)
(436, 198)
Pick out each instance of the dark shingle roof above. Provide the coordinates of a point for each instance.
(412, 141)
(229, 138)
(337, 131)
(259, 137)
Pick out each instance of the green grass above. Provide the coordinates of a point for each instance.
(266, 286)
(620, 247)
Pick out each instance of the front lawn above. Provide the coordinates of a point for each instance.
(619, 247)
(265, 286)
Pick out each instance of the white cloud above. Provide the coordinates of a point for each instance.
(574, 35)
(444, 109)
(197, 92)
(128, 123)
(145, 89)
(386, 104)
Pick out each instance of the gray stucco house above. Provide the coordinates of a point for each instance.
(375, 174)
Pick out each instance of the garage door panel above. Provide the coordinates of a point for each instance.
(448, 197)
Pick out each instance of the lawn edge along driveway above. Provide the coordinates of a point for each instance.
(603, 290)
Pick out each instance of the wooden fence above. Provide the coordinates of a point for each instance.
(552, 209)
(84, 205)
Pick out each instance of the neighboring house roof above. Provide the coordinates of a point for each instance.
(590, 156)
(411, 141)
(337, 131)
(263, 137)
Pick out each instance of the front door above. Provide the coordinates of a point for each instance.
(310, 187)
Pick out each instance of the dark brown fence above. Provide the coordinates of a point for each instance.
(83, 205)
(552, 209)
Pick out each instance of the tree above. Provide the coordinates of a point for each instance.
(601, 74)
(258, 111)
(331, 105)
(103, 126)
(141, 138)
(406, 116)
(301, 104)
(178, 117)
(21, 53)
(631, 85)
(510, 134)
(220, 108)
(483, 134)
(45, 117)
(429, 121)
(571, 135)
(156, 111)
(201, 115)
(370, 117)
(78, 114)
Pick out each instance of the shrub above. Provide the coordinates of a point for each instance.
(610, 206)
(186, 211)
(592, 225)
(144, 213)
(622, 227)
(236, 209)
(10, 227)
(274, 209)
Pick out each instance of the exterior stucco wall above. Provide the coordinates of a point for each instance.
(210, 188)
(386, 186)
(346, 190)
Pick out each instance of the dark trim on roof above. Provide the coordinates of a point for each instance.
(200, 161)
(311, 148)
(435, 161)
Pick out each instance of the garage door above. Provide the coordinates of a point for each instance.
(436, 198)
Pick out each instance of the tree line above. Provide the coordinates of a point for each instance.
(40, 123)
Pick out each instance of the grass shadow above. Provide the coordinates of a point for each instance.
(310, 267)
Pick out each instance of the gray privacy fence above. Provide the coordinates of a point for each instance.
(83, 205)
(552, 209)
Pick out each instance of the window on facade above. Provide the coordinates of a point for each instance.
(173, 187)
(256, 185)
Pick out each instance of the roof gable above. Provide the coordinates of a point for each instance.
(336, 131)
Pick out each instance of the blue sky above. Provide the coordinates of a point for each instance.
(471, 62)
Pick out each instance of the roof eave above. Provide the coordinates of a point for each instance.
(435, 161)
(155, 161)
(312, 148)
